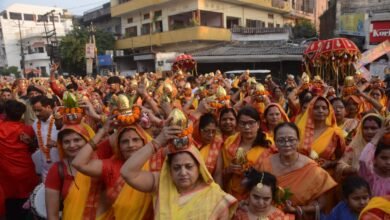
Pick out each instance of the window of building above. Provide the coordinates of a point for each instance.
(123, 1)
(254, 23)
(43, 69)
(270, 25)
(56, 19)
(131, 31)
(158, 26)
(232, 22)
(145, 29)
(130, 20)
(271, 16)
(146, 16)
(29, 17)
(157, 14)
(5, 16)
(40, 50)
(278, 25)
(15, 16)
(42, 18)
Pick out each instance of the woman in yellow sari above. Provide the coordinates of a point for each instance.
(78, 192)
(243, 150)
(273, 115)
(122, 201)
(322, 139)
(184, 189)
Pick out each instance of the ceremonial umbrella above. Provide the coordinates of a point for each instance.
(185, 63)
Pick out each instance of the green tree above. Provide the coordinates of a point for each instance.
(72, 48)
(304, 29)
(6, 71)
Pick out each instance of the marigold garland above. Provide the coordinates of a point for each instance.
(187, 131)
(129, 119)
(76, 110)
(351, 90)
(44, 149)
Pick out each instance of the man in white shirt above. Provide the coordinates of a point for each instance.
(46, 134)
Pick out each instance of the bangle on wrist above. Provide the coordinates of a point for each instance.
(92, 144)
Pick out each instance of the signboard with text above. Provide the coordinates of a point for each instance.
(379, 32)
(352, 24)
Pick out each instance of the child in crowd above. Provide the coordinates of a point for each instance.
(356, 192)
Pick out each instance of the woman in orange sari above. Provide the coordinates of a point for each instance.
(78, 192)
(123, 202)
(323, 140)
(243, 150)
(273, 115)
(307, 181)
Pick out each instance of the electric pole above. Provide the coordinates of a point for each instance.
(22, 65)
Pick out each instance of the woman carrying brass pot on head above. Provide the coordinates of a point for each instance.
(184, 189)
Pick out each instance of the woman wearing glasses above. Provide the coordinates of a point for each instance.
(243, 150)
(294, 171)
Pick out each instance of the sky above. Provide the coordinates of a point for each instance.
(76, 7)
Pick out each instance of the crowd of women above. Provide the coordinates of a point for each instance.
(178, 146)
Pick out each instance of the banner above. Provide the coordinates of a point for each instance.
(89, 51)
(352, 24)
(371, 55)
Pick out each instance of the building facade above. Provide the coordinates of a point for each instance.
(151, 28)
(25, 33)
(366, 22)
(101, 19)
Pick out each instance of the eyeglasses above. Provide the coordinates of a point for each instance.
(284, 142)
(248, 124)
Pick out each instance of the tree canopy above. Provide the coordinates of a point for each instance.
(72, 48)
(304, 29)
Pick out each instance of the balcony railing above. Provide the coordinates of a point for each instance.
(199, 33)
(134, 5)
(36, 56)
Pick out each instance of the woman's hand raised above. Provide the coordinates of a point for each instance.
(168, 133)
